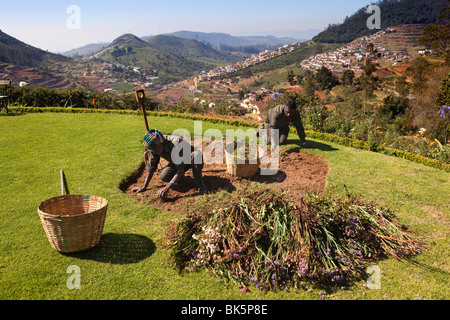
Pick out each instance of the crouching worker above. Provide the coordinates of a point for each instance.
(180, 155)
(279, 118)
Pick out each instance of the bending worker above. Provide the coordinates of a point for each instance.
(180, 155)
(279, 118)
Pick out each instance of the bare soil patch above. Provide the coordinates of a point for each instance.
(299, 173)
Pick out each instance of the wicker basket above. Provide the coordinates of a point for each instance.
(244, 170)
(73, 222)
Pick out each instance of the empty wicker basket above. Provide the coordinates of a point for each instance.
(73, 222)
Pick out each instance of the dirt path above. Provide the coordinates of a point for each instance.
(298, 172)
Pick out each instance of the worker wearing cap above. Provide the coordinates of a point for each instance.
(279, 118)
(172, 149)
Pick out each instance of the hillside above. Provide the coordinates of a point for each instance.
(16, 52)
(393, 13)
(189, 48)
(85, 50)
(223, 41)
(405, 40)
(35, 77)
(129, 50)
(296, 55)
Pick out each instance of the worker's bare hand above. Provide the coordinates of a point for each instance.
(163, 193)
(138, 190)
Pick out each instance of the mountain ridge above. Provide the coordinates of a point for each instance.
(14, 51)
(211, 38)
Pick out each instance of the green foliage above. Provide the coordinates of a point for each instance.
(394, 106)
(43, 97)
(437, 36)
(326, 79)
(443, 98)
(393, 14)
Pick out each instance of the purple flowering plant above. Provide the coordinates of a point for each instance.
(325, 241)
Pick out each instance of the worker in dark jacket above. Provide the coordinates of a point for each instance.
(169, 147)
(279, 118)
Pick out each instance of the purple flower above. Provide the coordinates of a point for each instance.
(442, 111)
(245, 289)
(172, 100)
(276, 95)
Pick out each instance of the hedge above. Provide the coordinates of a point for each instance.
(348, 142)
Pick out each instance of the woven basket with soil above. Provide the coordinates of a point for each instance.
(241, 165)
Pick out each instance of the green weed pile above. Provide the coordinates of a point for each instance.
(271, 244)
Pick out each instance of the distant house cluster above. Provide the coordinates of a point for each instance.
(348, 56)
(249, 62)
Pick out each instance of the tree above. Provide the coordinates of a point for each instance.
(290, 77)
(443, 98)
(418, 70)
(443, 103)
(437, 36)
(347, 77)
(402, 87)
(368, 86)
(309, 87)
(325, 79)
(394, 106)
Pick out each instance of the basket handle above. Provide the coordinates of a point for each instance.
(64, 188)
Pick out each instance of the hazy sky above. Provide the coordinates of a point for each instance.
(60, 25)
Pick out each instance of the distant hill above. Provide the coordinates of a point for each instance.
(214, 40)
(223, 41)
(85, 50)
(16, 52)
(189, 48)
(170, 65)
(393, 13)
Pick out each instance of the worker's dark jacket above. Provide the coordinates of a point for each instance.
(171, 142)
(192, 160)
(276, 119)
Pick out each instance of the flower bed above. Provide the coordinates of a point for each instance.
(265, 241)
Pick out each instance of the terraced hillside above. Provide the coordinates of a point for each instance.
(405, 40)
(34, 76)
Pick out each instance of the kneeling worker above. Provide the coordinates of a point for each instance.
(279, 118)
(171, 148)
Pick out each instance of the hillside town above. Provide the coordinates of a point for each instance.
(349, 56)
(251, 61)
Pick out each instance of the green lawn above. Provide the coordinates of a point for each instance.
(96, 151)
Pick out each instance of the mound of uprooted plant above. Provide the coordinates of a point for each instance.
(263, 240)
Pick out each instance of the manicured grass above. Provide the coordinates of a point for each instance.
(97, 151)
